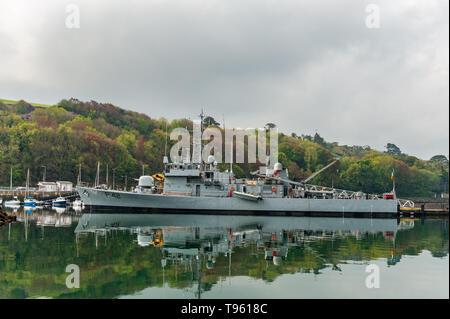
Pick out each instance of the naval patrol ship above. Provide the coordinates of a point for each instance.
(202, 188)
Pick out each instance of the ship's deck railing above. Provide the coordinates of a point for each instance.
(346, 194)
(340, 193)
(406, 203)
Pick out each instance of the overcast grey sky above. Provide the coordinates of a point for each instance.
(308, 66)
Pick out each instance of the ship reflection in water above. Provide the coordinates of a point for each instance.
(211, 256)
(185, 238)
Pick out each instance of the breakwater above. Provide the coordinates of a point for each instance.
(432, 205)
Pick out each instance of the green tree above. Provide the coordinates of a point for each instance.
(23, 107)
(393, 149)
(319, 140)
(4, 108)
(293, 152)
(209, 120)
(439, 159)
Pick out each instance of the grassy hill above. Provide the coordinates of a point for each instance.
(11, 102)
(73, 132)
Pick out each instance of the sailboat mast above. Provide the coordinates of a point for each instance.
(28, 182)
(97, 177)
(79, 175)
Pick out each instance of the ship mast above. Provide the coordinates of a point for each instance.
(165, 159)
(197, 143)
(202, 116)
(231, 152)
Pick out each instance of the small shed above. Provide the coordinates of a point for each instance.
(64, 186)
(47, 186)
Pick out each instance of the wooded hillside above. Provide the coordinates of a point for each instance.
(73, 132)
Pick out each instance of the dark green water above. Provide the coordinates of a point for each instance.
(192, 256)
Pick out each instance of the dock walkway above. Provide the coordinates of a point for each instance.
(38, 195)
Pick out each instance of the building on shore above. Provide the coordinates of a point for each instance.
(64, 186)
(59, 186)
(48, 187)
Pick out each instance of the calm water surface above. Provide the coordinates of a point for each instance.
(193, 256)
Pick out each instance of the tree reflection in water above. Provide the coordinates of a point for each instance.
(122, 254)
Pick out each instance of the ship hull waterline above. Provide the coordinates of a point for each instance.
(109, 200)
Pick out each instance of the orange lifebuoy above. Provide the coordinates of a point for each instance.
(232, 188)
(274, 189)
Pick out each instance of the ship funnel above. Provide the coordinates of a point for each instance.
(146, 181)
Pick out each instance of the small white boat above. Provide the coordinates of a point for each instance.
(59, 202)
(13, 202)
(1, 201)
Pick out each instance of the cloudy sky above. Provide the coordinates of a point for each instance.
(308, 66)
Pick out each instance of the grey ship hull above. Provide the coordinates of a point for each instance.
(98, 199)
